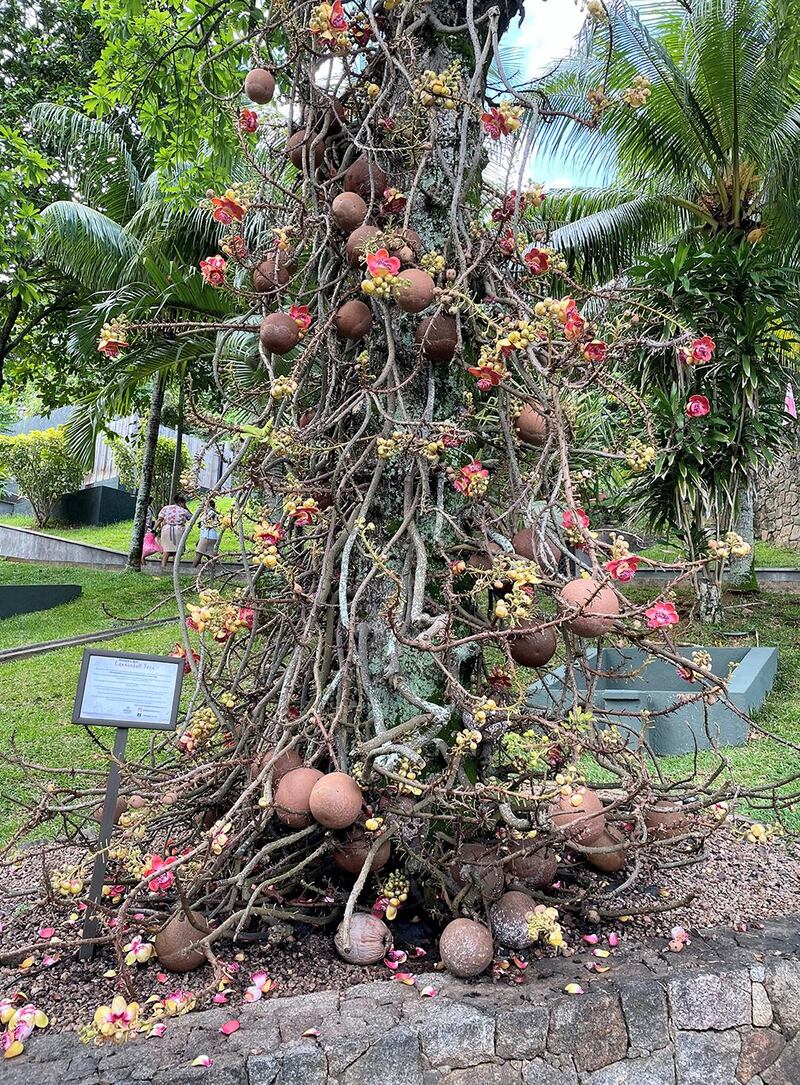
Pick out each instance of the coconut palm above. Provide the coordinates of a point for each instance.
(714, 148)
(132, 252)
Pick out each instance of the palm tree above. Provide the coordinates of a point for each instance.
(710, 158)
(714, 149)
(132, 252)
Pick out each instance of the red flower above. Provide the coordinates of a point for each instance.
(697, 407)
(507, 243)
(472, 480)
(574, 325)
(248, 120)
(699, 352)
(159, 873)
(595, 350)
(573, 519)
(623, 569)
(270, 536)
(488, 376)
(301, 315)
(227, 209)
(213, 270)
(498, 680)
(245, 617)
(336, 19)
(394, 201)
(179, 652)
(381, 263)
(538, 261)
(508, 207)
(662, 615)
(495, 123)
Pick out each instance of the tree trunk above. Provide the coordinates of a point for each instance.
(176, 463)
(146, 476)
(741, 575)
(709, 600)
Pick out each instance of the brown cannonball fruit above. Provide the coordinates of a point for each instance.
(336, 800)
(354, 249)
(478, 864)
(509, 919)
(438, 336)
(370, 939)
(284, 763)
(174, 939)
(533, 649)
(138, 802)
(406, 245)
(279, 333)
(530, 544)
(466, 948)
(271, 274)
(292, 795)
(414, 291)
(259, 86)
(353, 320)
(598, 606)
(169, 798)
(579, 814)
(365, 177)
(613, 860)
(305, 147)
(348, 211)
(531, 425)
(537, 869)
(664, 819)
(351, 853)
(119, 810)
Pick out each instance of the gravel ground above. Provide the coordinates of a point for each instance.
(736, 885)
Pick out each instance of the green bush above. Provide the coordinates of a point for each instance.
(128, 458)
(43, 466)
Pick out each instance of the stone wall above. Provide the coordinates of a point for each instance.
(725, 1011)
(778, 505)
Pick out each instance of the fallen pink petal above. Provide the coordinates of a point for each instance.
(230, 1027)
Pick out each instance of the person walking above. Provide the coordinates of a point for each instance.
(208, 542)
(171, 521)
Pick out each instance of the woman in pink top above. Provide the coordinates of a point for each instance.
(171, 520)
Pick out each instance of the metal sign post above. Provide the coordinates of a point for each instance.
(122, 690)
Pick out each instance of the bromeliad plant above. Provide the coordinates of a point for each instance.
(412, 536)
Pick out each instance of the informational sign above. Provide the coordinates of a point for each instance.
(121, 689)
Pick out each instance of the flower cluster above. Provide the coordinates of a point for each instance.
(639, 456)
(283, 388)
(394, 892)
(228, 208)
(502, 120)
(266, 538)
(440, 88)
(637, 94)
(467, 739)
(472, 480)
(303, 511)
(329, 26)
(213, 270)
(382, 269)
(199, 731)
(543, 925)
(18, 1023)
(699, 352)
(732, 546)
(113, 337)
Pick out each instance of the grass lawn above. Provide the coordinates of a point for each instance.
(126, 594)
(118, 536)
(767, 555)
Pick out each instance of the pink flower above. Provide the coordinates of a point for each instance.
(179, 652)
(662, 615)
(159, 873)
(697, 407)
(538, 261)
(595, 350)
(507, 243)
(700, 351)
(509, 206)
(336, 19)
(226, 208)
(623, 569)
(381, 263)
(248, 120)
(496, 123)
(572, 519)
(574, 325)
(213, 270)
(472, 480)
(489, 376)
(301, 315)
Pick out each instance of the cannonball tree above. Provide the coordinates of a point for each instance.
(400, 396)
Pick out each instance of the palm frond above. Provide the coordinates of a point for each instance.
(86, 244)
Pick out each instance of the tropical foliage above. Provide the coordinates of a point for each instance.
(43, 468)
(128, 458)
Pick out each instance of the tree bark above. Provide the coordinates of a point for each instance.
(741, 575)
(146, 476)
(176, 463)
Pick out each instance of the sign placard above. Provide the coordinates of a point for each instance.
(123, 689)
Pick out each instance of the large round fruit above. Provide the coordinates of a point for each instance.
(293, 795)
(351, 854)
(537, 869)
(174, 939)
(271, 274)
(478, 864)
(348, 211)
(580, 814)
(370, 939)
(534, 649)
(438, 336)
(466, 947)
(353, 320)
(284, 763)
(531, 425)
(509, 919)
(259, 86)
(336, 800)
(529, 543)
(366, 178)
(305, 147)
(598, 606)
(354, 248)
(279, 333)
(414, 291)
(613, 860)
